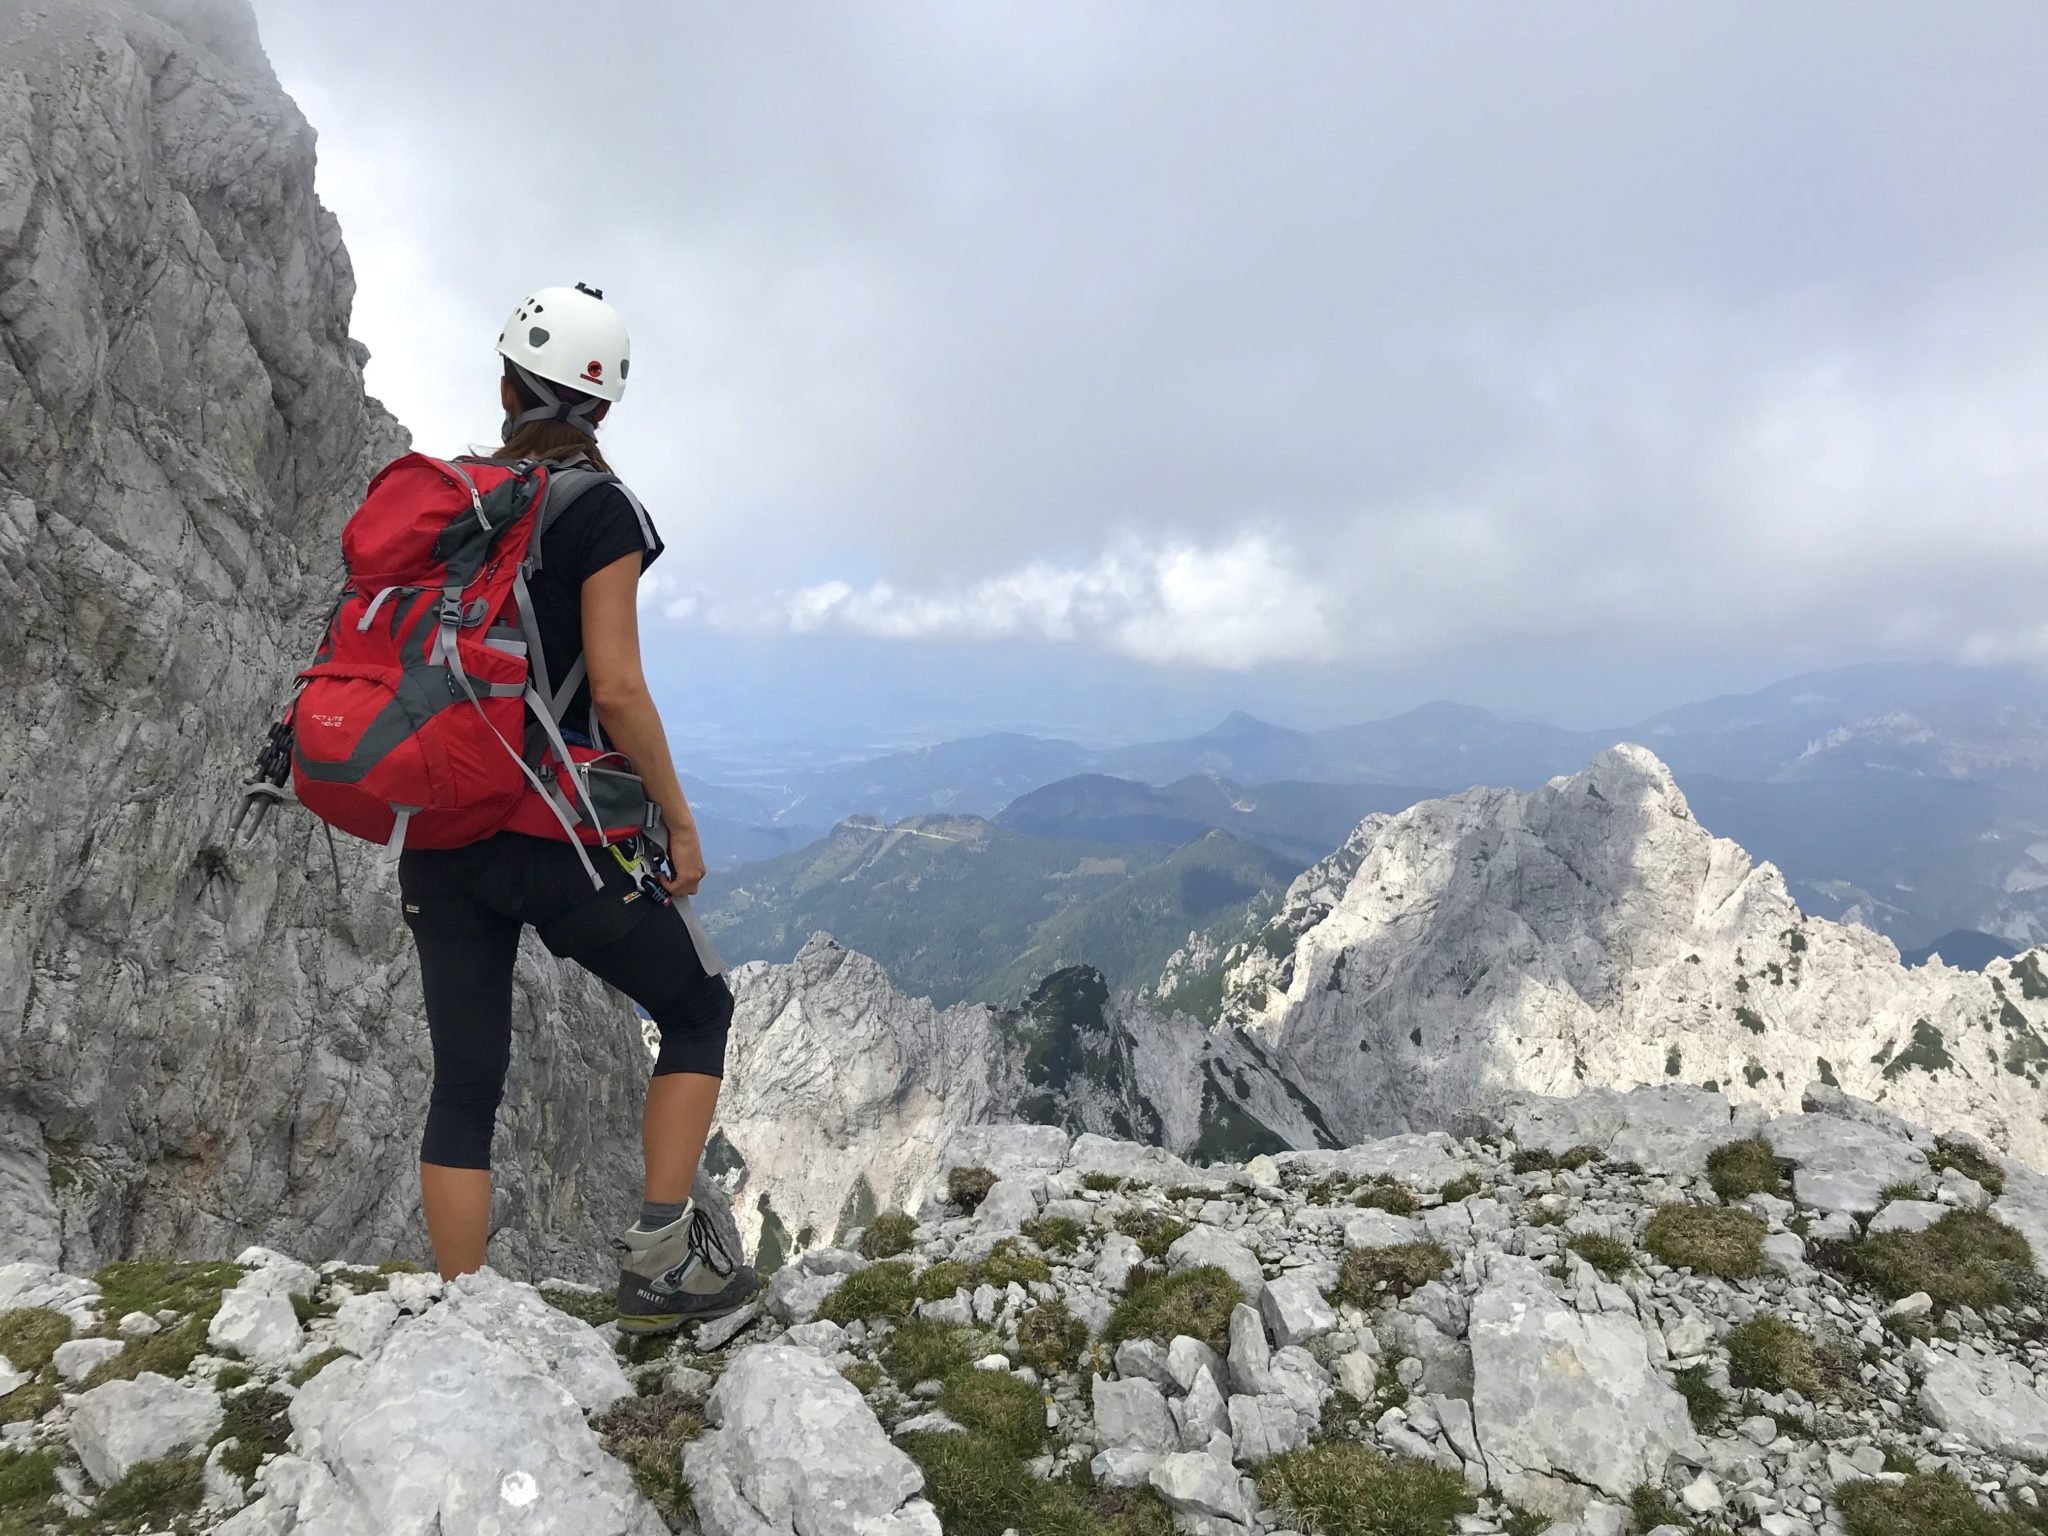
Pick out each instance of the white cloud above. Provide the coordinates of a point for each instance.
(1232, 606)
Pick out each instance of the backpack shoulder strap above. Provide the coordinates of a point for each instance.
(569, 482)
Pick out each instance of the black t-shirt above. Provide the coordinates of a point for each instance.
(596, 529)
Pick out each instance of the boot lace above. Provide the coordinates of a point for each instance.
(708, 1245)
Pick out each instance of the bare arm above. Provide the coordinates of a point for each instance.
(618, 687)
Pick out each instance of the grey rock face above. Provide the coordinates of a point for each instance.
(467, 1413)
(1991, 1401)
(205, 1042)
(1554, 1389)
(1132, 1412)
(794, 1448)
(115, 1426)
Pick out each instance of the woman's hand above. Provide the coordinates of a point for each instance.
(687, 856)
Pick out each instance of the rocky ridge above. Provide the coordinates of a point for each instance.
(1593, 933)
(201, 1045)
(1489, 1332)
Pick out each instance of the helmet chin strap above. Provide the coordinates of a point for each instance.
(552, 407)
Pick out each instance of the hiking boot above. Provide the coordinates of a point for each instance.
(678, 1274)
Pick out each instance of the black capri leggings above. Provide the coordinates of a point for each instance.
(466, 907)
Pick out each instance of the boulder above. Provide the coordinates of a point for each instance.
(793, 1447)
(117, 1425)
(1666, 1128)
(1425, 1160)
(470, 1417)
(1196, 1483)
(1206, 1245)
(258, 1324)
(1145, 1165)
(1557, 1390)
(1987, 1400)
(1381, 1229)
(1842, 1164)
(1007, 1151)
(77, 1359)
(1295, 1308)
(1132, 1412)
(1908, 1216)
(1120, 1255)
(1010, 1203)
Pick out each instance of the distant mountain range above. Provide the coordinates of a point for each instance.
(1912, 799)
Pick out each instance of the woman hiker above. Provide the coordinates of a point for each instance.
(566, 359)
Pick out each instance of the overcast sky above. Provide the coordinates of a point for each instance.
(1326, 356)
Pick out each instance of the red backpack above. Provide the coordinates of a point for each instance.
(426, 716)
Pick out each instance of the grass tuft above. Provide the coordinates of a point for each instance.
(1001, 1408)
(1373, 1275)
(169, 1352)
(865, 1375)
(968, 1187)
(1195, 1302)
(1049, 1337)
(1922, 1506)
(28, 1402)
(922, 1350)
(151, 1285)
(1968, 1161)
(1463, 1187)
(152, 1496)
(1709, 1240)
(1743, 1168)
(1653, 1507)
(1612, 1257)
(1386, 1196)
(259, 1423)
(1055, 1234)
(938, 1281)
(881, 1291)
(1103, 1183)
(1708, 1406)
(1773, 1355)
(29, 1337)
(1005, 1265)
(1344, 1489)
(648, 1434)
(887, 1235)
(1966, 1259)
(317, 1364)
(977, 1486)
(1155, 1230)
(28, 1478)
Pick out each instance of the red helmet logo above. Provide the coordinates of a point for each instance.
(594, 371)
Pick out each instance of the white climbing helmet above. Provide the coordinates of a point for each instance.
(567, 336)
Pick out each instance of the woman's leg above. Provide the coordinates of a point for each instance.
(674, 1125)
(466, 957)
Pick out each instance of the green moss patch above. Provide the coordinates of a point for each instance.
(648, 1434)
(1966, 1259)
(1049, 1337)
(1055, 1234)
(865, 1375)
(1344, 1489)
(1196, 1302)
(1104, 1183)
(1464, 1187)
(169, 1352)
(1968, 1161)
(968, 1187)
(1743, 1168)
(151, 1285)
(881, 1291)
(153, 1496)
(27, 1403)
(887, 1235)
(1707, 1239)
(593, 1307)
(29, 1336)
(229, 1377)
(978, 1487)
(1373, 1275)
(1001, 1408)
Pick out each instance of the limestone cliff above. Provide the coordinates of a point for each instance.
(202, 1046)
